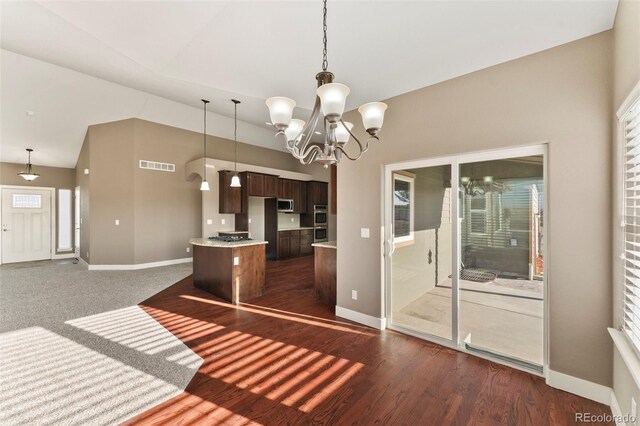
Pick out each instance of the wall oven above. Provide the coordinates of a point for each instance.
(320, 234)
(320, 215)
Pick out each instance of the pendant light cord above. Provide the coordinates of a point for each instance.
(204, 138)
(325, 62)
(235, 133)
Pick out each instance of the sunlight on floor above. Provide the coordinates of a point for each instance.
(291, 375)
(134, 328)
(49, 379)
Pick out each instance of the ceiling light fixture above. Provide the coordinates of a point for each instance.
(204, 186)
(235, 179)
(330, 101)
(28, 173)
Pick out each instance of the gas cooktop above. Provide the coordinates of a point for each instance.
(231, 238)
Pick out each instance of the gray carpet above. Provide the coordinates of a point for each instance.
(76, 349)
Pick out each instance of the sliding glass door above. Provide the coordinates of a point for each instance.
(465, 253)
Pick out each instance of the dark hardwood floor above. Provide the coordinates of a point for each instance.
(286, 359)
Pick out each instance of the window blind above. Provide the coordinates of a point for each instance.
(631, 305)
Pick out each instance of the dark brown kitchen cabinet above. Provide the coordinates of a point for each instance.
(317, 194)
(270, 186)
(284, 188)
(230, 199)
(255, 184)
(301, 206)
(284, 244)
(306, 239)
(295, 242)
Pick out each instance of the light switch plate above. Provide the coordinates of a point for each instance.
(354, 294)
(117, 221)
(86, 171)
(209, 221)
(236, 261)
(188, 249)
(364, 232)
(291, 219)
(249, 220)
(223, 221)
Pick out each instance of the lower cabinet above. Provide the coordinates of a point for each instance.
(295, 242)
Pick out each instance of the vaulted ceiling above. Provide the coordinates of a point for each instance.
(76, 63)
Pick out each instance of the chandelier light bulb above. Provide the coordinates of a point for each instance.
(488, 179)
(333, 97)
(342, 134)
(465, 180)
(280, 110)
(372, 115)
(294, 131)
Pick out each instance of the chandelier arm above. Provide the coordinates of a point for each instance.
(308, 128)
(341, 149)
(310, 155)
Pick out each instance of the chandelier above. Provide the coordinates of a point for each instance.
(330, 102)
(473, 187)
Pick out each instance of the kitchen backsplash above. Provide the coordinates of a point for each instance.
(288, 220)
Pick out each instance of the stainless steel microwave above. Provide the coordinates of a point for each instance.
(285, 206)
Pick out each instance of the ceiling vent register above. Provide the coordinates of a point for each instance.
(154, 165)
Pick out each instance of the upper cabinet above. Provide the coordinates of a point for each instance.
(284, 189)
(230, 198)
(261, 185)
(317, 193)
(295, 190)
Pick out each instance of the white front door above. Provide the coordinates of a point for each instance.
(26, 225)
(77, 220)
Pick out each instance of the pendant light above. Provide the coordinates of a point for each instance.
(27, 173)
(235, 179)
(204, 186)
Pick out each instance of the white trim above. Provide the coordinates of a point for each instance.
(626, 104)
(411, 180)
(627, 353)
(616, 412)
(359, 317)
(137, 266)
(70, 255)
(580, 387)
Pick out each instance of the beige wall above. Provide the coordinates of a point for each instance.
(50, 177)
(563, 96)
(626, 74)
(82, 180)
(158, 211)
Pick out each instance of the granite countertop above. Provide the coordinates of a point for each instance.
(326, 244)
(205, 242)
(295, 229)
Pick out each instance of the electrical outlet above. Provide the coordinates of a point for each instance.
(188, 249)
(236, 261)
(86, 171)
(354, 294)
(291, 219)
(634, 411)
(223, 221)
(117, 222)
(209, 221)
(364, 232)
(87, 255)
(249, 220)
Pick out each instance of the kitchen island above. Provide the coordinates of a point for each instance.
(234, 271)
(325, 271)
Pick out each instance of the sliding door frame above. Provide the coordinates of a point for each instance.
(454, 161)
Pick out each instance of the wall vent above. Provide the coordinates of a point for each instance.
(154, 165)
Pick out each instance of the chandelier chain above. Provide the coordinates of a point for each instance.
(325, 63)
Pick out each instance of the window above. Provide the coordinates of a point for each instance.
(403, 208)
(478, 206)
(26, 201)
(64, 220)
(630, 126)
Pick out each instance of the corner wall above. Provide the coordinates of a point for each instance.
(561, 96)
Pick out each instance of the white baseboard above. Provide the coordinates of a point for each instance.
(615, 410)
(359, 317)
(139, 265)
(580, 387)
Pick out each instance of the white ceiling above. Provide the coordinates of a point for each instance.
(250, 50)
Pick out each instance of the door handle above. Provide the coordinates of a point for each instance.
(5, 230)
